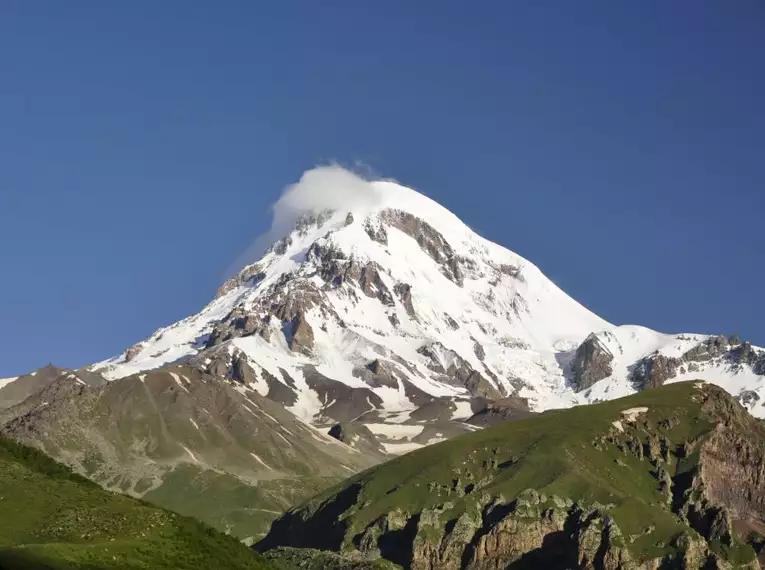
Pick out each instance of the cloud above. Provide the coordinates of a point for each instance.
(330, 187)
(322, 188)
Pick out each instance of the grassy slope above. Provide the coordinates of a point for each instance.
(552, 453)
(225, 502)
(53, 519)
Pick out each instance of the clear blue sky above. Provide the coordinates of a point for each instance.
(618, 145)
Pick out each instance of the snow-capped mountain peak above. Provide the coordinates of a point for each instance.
(373, 297)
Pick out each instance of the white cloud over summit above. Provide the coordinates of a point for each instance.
(331, 187)
(322, 188)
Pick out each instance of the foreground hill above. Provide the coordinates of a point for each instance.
(51, 519)
(197, 444)
(668, 478)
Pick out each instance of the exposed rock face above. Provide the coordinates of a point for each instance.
(591, 363)
(746, 354)
(239, 322)
(429, 239)
(287, 301)
(376, 232)
(653, 371)
(404, 292)
(301, 335)
(713, 347)
(372, 285)
(241, 371)
(250, 275)
(133, 351)
(457, 371)
(732, 461)
(337, 270)
(478, 350)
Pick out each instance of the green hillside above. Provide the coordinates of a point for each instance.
(668, 478)
(52, 519)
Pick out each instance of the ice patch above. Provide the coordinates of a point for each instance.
(396, 431)
(463, 410)
(400, 448)
(261, 462)
(194, 457)
(178, 381)
(6, 381)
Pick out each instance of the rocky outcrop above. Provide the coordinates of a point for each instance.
(404, 293)
(429, 239)
(336, 270)
(239, 322)
(746, 355)
(250, 275)
(133, 351)
(300, 337)
(591, 363)
(732, 461)
(241, 371)
(478, 350)
(711, 348)
(653, 371)
(531, 532)
(372, 285)
(376, 232)
(457, 371)
(287, 301)
(312, 559)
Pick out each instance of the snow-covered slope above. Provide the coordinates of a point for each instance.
(6, 381)
(387, 301)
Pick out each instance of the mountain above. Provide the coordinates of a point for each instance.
(374, 323)
(386, 306)
(669, 478)
(197, 444)
(52, 519)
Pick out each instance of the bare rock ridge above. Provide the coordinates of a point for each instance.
(669, 478)
(656, 369)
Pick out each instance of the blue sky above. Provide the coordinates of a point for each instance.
(618, 145)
